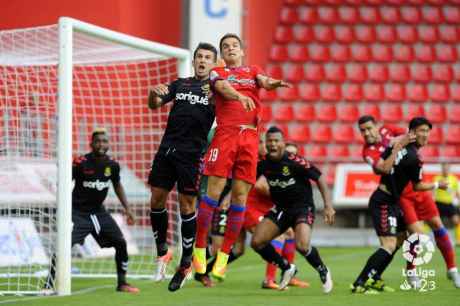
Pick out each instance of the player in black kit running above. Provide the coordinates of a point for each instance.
(178, 157)
(93, 173)
(288, 176)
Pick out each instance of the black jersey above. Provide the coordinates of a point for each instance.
(407, 167)
(92, 180)
(191, 115)
(289, 180)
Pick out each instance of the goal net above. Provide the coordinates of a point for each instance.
(57, 84)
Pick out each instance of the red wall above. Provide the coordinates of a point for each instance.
(143, 18)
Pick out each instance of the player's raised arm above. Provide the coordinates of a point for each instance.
(270, 83)
(386, 162)
(160, 94)
(226, 90)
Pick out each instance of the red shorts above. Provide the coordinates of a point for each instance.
(252, 217)
(233, 153)
(418, 206)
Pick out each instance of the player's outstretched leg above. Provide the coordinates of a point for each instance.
(313, 258)
(121, 261)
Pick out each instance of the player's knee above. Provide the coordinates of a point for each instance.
(158, 199)
(302, 246)
(120, 243)
(256, 243)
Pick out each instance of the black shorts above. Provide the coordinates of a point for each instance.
(219, 222)
(285, 219)
(447, 210)
(100, 225)
(171, 166)
(386, 214)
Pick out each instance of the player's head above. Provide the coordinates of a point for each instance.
(99, 142)
(368, 129)
(262, 150)
(420, 127)
(445, 168)
(231, 49)
(204, 59)
(274, 142)
(292, 148)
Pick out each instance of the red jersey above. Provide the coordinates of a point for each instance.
(244, 80)
(371, 153)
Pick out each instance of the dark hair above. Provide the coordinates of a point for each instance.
(273, 130)
(230, 35)
(98, 131)
(206, 46)
(418, 121)
(366, 118)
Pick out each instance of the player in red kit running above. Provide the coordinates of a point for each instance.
(416, 205)
(233, 151)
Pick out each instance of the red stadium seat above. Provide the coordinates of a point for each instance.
(456, 69)
(373, 92)
(427, 34)
(439, 92)
(285, 129)
(449, 152)
(446, 53)
(395, 92)
(335, 73)
(455, 92)
(406, 34)
(399, 73)
(436, 135)
(308, 15)
(331, 92)
(389, 14)
(454, 113)
(295, 73)
(309, 92)
(326, 113)
(371, 110)
(275, 71)
(417, 93)
(339, 53)
(453, 134)
(369, 15)
(365, 34)
(432, 14)
(316, 153)
(288, 15)
(424, 53)
(298, 53)
(266, 113)
(414, 110)
(436, 113)
(352, 92)
(421, 73)
(356, 72)
(348, 113)
(319, 53)
(403, 53)
(299, 133)
(268, 95)
(452, 14)
(327, 14)
(386, 34)
(283, 113)
(344, 133)
(283, 35)
(288, 94)
(314, 73)
(324, 34)
(382, 53)
(344, 34)
(321, 133)
(410, 14)
(278, 53)
(448, 34)
(306, 112)
(429, 152)
(377, 73)
(338, 152)
(303, 34)
(361, 53)
(348, 14)
(392, 113)
(293, 3)
(442, 73)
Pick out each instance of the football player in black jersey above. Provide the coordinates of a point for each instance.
(398, 164)
(93, 173)
(178, 157)
(289, 176)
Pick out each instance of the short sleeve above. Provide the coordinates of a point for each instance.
(305, 168)
(115, 178)
(386, 153)
(172, 89)
(260, 168)
(257, 70)
(215, 75)
(76, 167)
(416, 171)
(371, 156)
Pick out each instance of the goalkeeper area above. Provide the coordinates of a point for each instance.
(243, 286)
